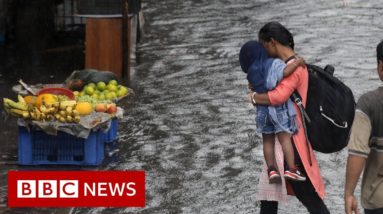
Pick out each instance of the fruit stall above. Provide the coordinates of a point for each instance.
(59, 125)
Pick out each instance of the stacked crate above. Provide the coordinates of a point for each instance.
(38, 148)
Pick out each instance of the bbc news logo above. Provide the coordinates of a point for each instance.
(47, 189)
(76, 188)
(69, 189)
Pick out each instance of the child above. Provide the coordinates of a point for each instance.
(263, 74)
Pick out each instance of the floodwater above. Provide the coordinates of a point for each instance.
(190, 127)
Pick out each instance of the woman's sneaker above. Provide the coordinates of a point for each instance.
(294, 175)
(274, 176)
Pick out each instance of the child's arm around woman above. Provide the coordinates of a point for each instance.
(279, 70)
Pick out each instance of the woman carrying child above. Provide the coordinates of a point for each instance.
(263, 74)
(279, 43)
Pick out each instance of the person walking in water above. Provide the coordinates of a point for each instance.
(263, 74)
(366, 150)
(279, 43)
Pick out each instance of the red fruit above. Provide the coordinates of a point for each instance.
(111, 108)
(101, 107)
(75, 84)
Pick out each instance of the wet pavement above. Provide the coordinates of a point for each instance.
(190, 127)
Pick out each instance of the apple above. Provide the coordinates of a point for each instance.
(101, 86)
(101, 107)
(111, 108)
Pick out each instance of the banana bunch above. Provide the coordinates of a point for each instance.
(44, 112)
(67, 112)
(17, 109)
(63, 111)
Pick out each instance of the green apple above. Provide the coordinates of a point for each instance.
(111, 87)
(89, 90)
(101, 86)
(93, 85)
(113, 82)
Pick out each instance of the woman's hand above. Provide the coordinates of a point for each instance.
(300, 61)
(351, 204)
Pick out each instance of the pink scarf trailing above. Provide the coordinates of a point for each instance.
(272, 192)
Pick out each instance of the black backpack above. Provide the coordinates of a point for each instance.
(329, 111)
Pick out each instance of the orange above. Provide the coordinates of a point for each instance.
(48, 99)
(84, 108)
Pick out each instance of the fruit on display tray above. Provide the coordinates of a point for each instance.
(18, 109)
(102, 91)
(84, 108)
(58, 91)
(48, 99)
(66, 106)
(30, 100)
(110, 108)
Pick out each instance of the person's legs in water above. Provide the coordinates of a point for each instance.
(269, 207)
(268, 152)
(306, 193)
(291, 173)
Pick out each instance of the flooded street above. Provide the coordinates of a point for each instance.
(190, 126)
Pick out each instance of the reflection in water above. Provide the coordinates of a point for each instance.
(189, 126)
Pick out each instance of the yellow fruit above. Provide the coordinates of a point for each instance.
(75, 113)
(48, 99)
(69, 119)
(84, 108)
(57, 116)
(69, 110)
(76, 93)
(30, 100)
(62, 113)
(62, 119)
(76, 119)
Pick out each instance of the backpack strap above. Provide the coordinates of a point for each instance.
(298, 100)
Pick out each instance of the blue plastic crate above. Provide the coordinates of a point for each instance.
(38, 148)
(112, 134)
